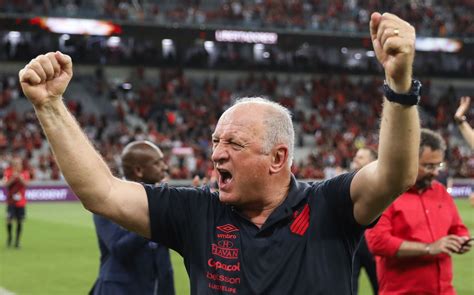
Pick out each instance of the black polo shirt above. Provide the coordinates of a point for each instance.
(305, 246)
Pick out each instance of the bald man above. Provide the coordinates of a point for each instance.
(129, 263)
(363, 157)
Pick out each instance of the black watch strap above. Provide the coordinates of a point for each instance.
(408, 99)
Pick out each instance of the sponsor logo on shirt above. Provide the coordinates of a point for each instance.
(227, 228)
(226, 236)
(300, 221)
(220, 265)
(225, 246)
(222, 288)
(224, 249)
(222, 278)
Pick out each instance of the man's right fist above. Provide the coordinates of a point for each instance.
(46, 77)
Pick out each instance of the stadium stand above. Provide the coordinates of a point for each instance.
(431, 18)
(178, 110)
(172, 91)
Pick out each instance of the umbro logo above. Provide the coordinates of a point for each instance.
(227, 228)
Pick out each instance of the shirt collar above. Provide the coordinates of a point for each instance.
(295, 196)
(415, 190)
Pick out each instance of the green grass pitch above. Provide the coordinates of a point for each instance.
(59, 254)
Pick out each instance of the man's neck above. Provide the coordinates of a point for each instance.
(258, 214)
(420, 187)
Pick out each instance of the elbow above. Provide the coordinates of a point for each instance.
(91, 207)
(378, 248)
(407, 175)
(400, 183)
(410, 180)
(95, 198)
(94, 204)
(377, 242)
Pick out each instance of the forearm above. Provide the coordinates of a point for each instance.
(82, 167)
(376, 185)
(413, 249)
(398, 147)
(467, 132)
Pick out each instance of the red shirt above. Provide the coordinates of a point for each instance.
(418, 217)
(16, 191)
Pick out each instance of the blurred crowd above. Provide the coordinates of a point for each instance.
(133, 50)
(430, 17)
(333, 116)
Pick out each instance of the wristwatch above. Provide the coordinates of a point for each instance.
(408, 99)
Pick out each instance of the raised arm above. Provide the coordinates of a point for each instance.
(44, 81)
(461, 120)
(376, 185)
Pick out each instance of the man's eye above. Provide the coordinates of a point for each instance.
(236, 145)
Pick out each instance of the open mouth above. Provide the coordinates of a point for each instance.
(225, 176)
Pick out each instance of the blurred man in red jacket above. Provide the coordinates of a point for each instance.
(415, 237)
(15, 179)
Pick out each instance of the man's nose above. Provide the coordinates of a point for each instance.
(435, 172)
(163, 166)
(219, 154)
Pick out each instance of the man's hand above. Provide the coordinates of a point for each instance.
(46, 77)
(449, 244)
(466, 246)
(463, 107)
(393, 40)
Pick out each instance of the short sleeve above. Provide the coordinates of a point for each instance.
(178, 215)
(336, 192)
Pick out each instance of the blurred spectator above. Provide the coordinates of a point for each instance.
(415, 237)
(333, 117)
(130, 263)
(363, 257)
(15, 180)
(431, 18)
(461, 120)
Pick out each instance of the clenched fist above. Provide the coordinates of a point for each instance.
(393, 40)
(463, 108)
(46, 77)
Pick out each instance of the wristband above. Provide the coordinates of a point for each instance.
(408, 99)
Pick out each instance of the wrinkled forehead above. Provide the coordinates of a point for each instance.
(244, 120)
(430, 155)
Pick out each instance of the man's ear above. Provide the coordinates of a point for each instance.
(279, 158)
(138, 171)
